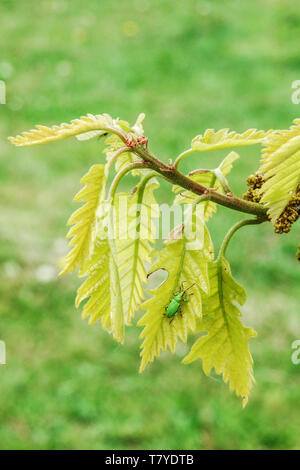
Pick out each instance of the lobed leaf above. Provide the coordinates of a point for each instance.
(225, 347)
(280, 167)
(82, 233)
(116, 269)
(97, 286)
(212, 140)
(103, 284)
(134, 237)
(182, 265)
(43, 134)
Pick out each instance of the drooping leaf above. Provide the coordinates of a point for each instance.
(212, 140)
(103, 284)
(115, 272)
(82, 233)
(225, 346)
(97, 285)
(280, 168)
(135, 233)
(183, 265)
(43, 134)
(209, 180)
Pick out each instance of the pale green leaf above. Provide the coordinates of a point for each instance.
(43, 134)
(212, 140)
(97, 285)
(182, 265)
(82, 233)
(225, 346)
(280, 168)
(103, 284)
(115, 278)
(134, 236)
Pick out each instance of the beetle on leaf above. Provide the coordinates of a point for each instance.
(175, 305)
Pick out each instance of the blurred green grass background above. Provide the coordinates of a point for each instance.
(189, 66)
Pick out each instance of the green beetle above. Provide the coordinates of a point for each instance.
(174, 306)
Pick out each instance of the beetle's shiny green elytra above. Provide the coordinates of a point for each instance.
(174, 306)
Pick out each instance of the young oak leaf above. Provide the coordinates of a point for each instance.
(135, 234)
(209, 180)
(82, 233)
(103, 284)
(225, 347)
(280, 167)
(97, 285)
(183, 266)
(212, 140)
(43, 134)
(121, 280)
